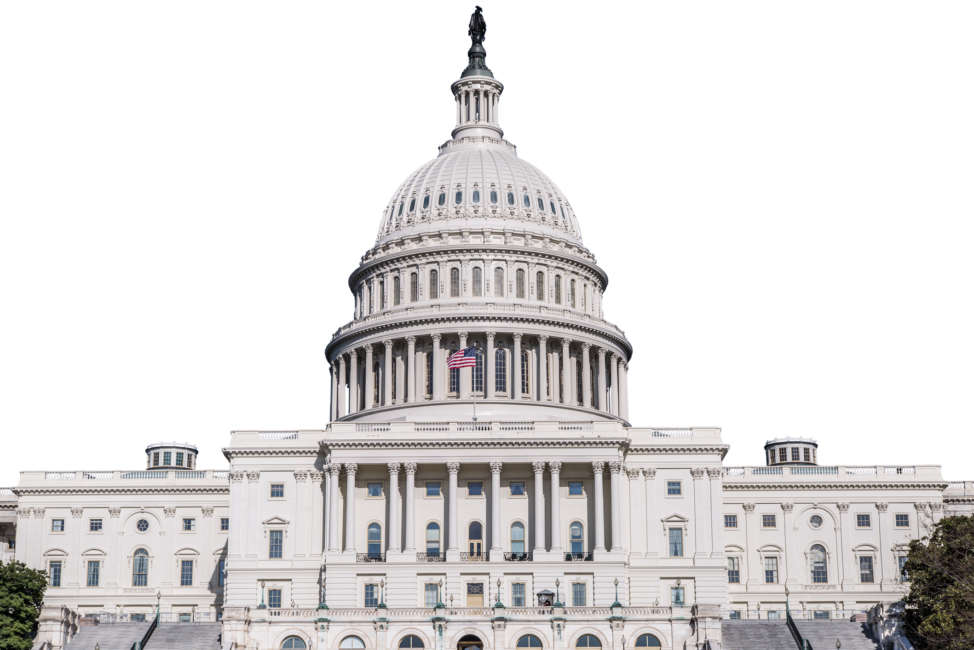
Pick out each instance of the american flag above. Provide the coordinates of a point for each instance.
(465, 358)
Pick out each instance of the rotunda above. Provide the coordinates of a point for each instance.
(478, 250)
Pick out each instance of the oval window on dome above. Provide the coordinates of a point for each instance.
(510, 198)
(475, 197)
(442, 198)
(493, 196)
(527, 201)
(412, 205)
(459, 197)
(426, 201)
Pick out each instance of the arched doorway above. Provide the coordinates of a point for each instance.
(470, 642)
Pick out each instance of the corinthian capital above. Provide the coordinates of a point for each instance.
(410, 468)
(538, 466)
(453, 467)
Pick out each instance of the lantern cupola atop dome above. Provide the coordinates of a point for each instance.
(477, 93)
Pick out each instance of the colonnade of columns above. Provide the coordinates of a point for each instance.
(536, 367)
(552, 522)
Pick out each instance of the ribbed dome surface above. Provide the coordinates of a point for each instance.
(478, 182)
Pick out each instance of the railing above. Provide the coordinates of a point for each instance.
(802, 642)
(431, 557)
(425, 613)
(370, 557)
(483, 556)
(579, 556)
(6, 493)
(278, 435)
(518, 557)
(833, 472)
(133, 475)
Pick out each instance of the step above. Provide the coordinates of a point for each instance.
(185, 636)
(108, 636)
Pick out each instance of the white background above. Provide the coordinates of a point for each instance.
(780, 192)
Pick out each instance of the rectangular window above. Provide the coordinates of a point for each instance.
(179, 458)
(431, 595)
(862, 521)
(677, 596)
(137, 618)
(57, 525)
(276, 544)
(155, 459)
(277, 490)
(733, 570)
(866, 569)
(820, 614)
(517, 488)
(674, 488)
(734, 614)
(769, 521)
(374, 489)
(807, 454)
(475, 488)
(224, 523)
(432, 488)
(221, 572)
(574, 488)
(54, 573)
(578, 594)
(730, 521)
(782, 454)
(94, 525)
(94, 572)
(274, 598)
(774, 615)
(185, 573)
(518, 595)
(676, 542)
(901, 564)
(794, 454)
(167, 458)
(189, 524)
(185, 617)
(902, 521)
(771, 570)
(371, 595)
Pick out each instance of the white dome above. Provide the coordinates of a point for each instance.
(493, 186)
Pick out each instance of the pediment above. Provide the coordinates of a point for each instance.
(675, 518)
(276, 521)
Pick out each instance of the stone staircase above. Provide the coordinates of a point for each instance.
(184, 636)
(108, 636)
(758, 635)
(823, 634)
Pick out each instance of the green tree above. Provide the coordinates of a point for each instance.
(940, 606)
(21, 593)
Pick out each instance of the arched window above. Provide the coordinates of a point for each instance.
(475, 539)
(400, 209)
(454, 282)
(432, 538)
(527, 201)
(413, 286)
(412, 205)
(297, 643)
(441, 199)
(499, 282)
(500, 370)
(396, 291)
(426, 201)
(140, 568)
(434, 284)
(411, 641)
(510, 198)
(478, 281)
(540, 203)
(517, 537)
(539, 281)
(382, 294)
(576, 537)
(519, 283)
(648, 641)
(578, 381)
(352, 642)
(374, 540)
(820, 564)
(493, 196)
(454, 377)
(477, 377)
(588, 641)
(458, 198)
(571, 293)
(475, 197)
(529, 641)
(552, 204)
(525, 371)
(429, 374)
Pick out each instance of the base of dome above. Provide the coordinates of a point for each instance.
(498, 409)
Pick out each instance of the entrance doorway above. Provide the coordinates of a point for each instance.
(475, 594)
(470, 642)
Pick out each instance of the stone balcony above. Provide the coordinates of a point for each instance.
(518, 614)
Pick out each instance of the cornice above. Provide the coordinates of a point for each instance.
(231, 452)
(682, 449)
(834, 485)
(472, 443)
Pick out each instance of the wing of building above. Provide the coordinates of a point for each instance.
(506, 504)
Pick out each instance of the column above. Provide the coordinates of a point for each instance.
(603, 406)
(555, 506)
(453, 467)
(539, 513)
(615, 471)
(395, 536)
(319, 513)
(489, 367)
(411, 369)
(333, 371)
(465, 373)
(369, 377)
(614, 366)
(597, 468)
(542, 368)
(554, 369)
(437, 369)
(353, 382)
(496, 549)
(342, 382)
(623, 390)
(387, 373)
(586, 376)
(791, 554)
(653, 533)
(566, 384)
(880, 568)
(701, 513)
(333, 470)
(755, 571)
(838, 558)
(410, 507)
(350, 469)
(516, 368)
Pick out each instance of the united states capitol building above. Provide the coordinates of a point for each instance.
(511, 504)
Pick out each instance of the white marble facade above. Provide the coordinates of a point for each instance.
(506, 504)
